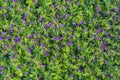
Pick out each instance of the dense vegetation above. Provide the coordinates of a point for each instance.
(59, 39)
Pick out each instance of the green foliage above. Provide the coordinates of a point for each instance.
(59, 40)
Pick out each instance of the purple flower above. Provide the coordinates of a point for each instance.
(50, 24)
(23, 64)
(29, 51)
(103, 45)
(107, 13)
(56, 48)
(24, 18)
(94, 59)
(85, 30)
(53, 4)
(101, 29)
(31, 9)
(24, 22)
(82, 68)
(4, 46)
(42, 19)
(46, 26)
(36, 2)
(1, 67)
(105, 61)
(32, 23)
(17, 39)
(10, 47)
(99, 14)
(81, 22)
(78, 3)
(38, 39)
(15, 55)
(71, 75)
(9, 37)
(43, 45)
(0, 8)
(62, 25)
(97, 9)
(33, 0)
(6, 78)
(39, 20)
(56, 38)
(69, 43)
(1, 38)
(74, 24)
(109, 75)
(36, 34)
(66, 16)
(26, 73)
(11, 30)
(30, 36)
(115, 18)
(4, 33)
(68, 0)
(41, 64)
(18, 67)
(61, 16)
(45, 53)
(55, 19)
(11, 75)
(51, 60)
(23, 43)
(119, 8)
(74, 57)
(108, 36)
(97, 31)
(1, 73)
(66, 7)
(116, 9)
(94, 19)
(4, 15)
(58, 7)
(13, 0)
(96, 24)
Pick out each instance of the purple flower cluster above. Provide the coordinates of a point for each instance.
(17, 39)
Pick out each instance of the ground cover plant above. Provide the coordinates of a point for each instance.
(59, 39)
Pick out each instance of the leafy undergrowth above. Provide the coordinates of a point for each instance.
(59, 39)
